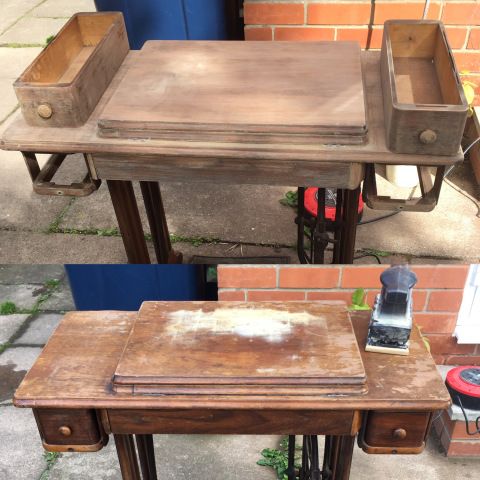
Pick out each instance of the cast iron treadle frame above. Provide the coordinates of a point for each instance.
(310, 466)
(316, 228)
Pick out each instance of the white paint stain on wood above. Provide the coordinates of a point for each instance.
(267, 323)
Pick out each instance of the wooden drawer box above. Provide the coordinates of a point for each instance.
(425, 107)
(70, 430)
(394, 432)
(65, 82)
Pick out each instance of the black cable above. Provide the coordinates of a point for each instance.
(369, 255)
(370, 25)
(477, 420)
(372, 220)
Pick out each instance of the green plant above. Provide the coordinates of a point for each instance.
(50, 458)
(50, 39)
(359, 300)
(290, 199)
(425, 339)
(278, 459)
(8, 308)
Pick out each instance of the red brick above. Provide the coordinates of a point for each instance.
(445, 300)
(345, 296)
(467, 61)
(247, 277)
(440, 276)
(441, 344)
(304, 33)
(474, 39)
(258, 33)
(436, 322)
(231, 295)
(362, 277)
(338, 14)
(274, 295)
(464, 448)
(456, 36)
(419, 298)
(462, 360)
(459, 431)
(360, 35)
(309, 277)
(439, 359)
(273, 13)
(406, 10)
(466, 13)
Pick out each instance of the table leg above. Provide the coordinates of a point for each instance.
(128, 218)
(349, 229)
(146, 454)
(152, 199)
(338, 455)
(127, 457)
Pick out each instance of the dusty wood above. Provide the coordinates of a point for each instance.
(241, 422)
(241, 91)
(170, 154)
(63, 85)
(421, 89)
(394, 432)
(88, 346)
(238, 348)
(127, 457)
(64, 430)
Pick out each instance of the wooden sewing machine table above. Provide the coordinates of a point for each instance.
(229, 368)
(185, 157)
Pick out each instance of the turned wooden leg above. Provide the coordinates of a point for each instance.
(146, 455)
(127, 457)
(128, 218)
(338, 455)
(152, 199)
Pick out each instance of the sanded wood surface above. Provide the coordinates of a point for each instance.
(75, 370)
(236, 348)
(84, 139)
(226, 91)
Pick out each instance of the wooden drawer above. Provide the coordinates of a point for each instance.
(70, 430)
(273, 422)
(65, 82)
(424, 103)
(394, 432)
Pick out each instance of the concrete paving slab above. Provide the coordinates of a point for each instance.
(62, 8)
(13, 10)
(26, 247)
(32, 274)
(22, 208)
(23, 296)
(40, 329)
(14, 364)
(21, 452)
(13, 62)
(239, 213)
(61, 299)
(32, 31)
(9, 324)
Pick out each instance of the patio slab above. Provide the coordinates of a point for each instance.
(9, 324)
(23, 296)
(33, 274)
(40, 328)
(32, 31)
(13, 10)
(65, 9)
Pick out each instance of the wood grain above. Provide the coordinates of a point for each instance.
(76, 366)
(240, 91)
(421, 89)
(237, 422)
(170, 154)
(241, 348)
(71, 74)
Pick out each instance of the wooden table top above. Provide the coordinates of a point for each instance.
(233, 348)
(76, 367)
(20, 136)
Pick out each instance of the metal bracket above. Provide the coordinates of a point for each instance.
(42, 177)
(426, 203)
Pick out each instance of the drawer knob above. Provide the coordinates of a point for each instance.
(65, 431)
(45, 110)
(428, 137)
(399, 433)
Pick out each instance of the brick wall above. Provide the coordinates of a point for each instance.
(437, 296)
(349, 19)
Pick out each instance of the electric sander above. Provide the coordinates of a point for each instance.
(391, 321)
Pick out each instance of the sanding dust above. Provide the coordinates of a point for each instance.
(267, 323)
